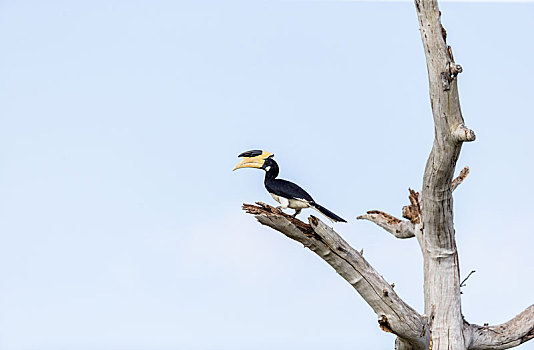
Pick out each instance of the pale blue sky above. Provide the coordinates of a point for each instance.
(120, 219)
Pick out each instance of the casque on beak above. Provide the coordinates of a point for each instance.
(253, 159)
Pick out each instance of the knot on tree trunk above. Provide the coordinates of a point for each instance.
(384, 324)
(464, 134)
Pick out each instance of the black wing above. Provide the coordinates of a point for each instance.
(287, 189)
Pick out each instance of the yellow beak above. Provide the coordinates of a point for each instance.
(253, 162)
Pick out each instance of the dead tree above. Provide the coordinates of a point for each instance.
(429, 218)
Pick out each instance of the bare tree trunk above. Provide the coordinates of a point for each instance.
(430, 219)
(437, 240)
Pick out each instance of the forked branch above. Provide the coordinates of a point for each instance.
(394, 315)
(398, 228)
(402, 228)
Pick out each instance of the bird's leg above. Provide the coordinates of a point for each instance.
(297, 212)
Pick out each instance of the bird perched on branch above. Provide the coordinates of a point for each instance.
(288, 194)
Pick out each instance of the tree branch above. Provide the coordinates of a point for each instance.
(462, 284)
(504, 336)
(394, 314)
(398, 228)
(460, 178)
(401, 228)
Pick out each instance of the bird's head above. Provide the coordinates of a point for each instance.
(254, 159)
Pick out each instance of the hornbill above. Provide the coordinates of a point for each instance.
(288, 194)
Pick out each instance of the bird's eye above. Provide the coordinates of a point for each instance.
(268, 168)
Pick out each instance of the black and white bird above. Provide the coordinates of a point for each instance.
(288, 194)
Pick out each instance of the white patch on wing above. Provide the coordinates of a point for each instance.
(298, 203)
(284, 202)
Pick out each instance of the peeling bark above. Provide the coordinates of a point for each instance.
(460, 178)
(398, 228)
(394, 315)
(438, 245)
(413, 212)
(430, 220)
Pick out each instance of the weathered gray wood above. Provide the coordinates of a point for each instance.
(398, 228)
(403, 345)
(394, 315)
(438, 245)
(504, 336)
(430, 220)
(402, 228)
